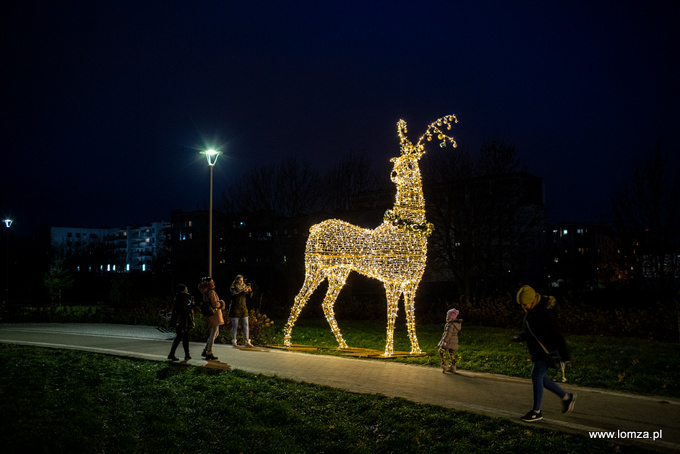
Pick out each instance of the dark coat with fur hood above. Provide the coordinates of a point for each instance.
(540, 324)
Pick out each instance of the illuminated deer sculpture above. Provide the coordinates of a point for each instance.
(394, 253)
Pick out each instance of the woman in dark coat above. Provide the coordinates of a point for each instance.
(239, 310)
(540, 327)
(182, 319)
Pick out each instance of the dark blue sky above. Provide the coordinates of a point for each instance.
(106, 104)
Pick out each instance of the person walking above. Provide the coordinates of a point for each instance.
(182, 319)
(238, 310)
(542, 333)
(449, 340)
(214, 321)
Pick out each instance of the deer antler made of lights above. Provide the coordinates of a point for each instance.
(395, 252)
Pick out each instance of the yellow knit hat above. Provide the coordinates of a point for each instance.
(527, 296)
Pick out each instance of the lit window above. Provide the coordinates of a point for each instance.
(565, 231)
(556, 260)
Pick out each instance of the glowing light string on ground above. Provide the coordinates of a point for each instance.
(394, 253)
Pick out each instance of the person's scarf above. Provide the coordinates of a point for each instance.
(238, 287)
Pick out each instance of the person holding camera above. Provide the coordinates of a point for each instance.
(239, 310)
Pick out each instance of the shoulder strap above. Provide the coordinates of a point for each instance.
(526, 322)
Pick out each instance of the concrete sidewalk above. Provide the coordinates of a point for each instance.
(492, 395)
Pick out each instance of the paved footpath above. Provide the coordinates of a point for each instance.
(489, 394)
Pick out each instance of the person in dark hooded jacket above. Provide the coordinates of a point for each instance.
(182, 319)
(540, 327)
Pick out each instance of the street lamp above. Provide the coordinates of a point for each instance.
(212, 156)
(8, 223)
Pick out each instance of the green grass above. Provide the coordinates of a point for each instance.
(68, 401)
(621, 364)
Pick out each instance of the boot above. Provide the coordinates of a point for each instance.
(234, 343)
(203, 354)
(452, 368)
(210, 357)
(248, 344)
(444, 367)
(172, 357)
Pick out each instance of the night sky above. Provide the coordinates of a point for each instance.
(106, 104)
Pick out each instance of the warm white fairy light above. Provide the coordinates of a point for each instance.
(394, 253)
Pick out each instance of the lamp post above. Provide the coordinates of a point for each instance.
(212, 156)
(8, 223)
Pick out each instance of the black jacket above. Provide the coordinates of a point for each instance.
(542, 322)
(183, 312)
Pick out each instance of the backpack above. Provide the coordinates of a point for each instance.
(206, 308)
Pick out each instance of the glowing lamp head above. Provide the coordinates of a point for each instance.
(8, 222)
(212, 156)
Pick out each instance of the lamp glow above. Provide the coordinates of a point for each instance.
(212, 156)
(394, 253)
(8, 222)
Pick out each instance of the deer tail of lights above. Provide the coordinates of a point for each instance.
(395, 252)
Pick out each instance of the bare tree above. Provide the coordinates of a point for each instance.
(646, 209)
(487, 218)
(297, 188)
(352, 175)
(254, 191)
(452, 243)
(497, 158)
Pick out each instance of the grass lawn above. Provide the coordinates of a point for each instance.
(57, 401)
(622, 364)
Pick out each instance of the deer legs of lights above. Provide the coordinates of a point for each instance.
(393, 292)
(410, 307)
(312, 280)
(336, 280)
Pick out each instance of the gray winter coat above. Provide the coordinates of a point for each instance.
(449, 339)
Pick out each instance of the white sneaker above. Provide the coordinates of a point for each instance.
(234, 343)
(248, 344)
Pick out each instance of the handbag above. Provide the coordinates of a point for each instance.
(552, 358)
(207, 309)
